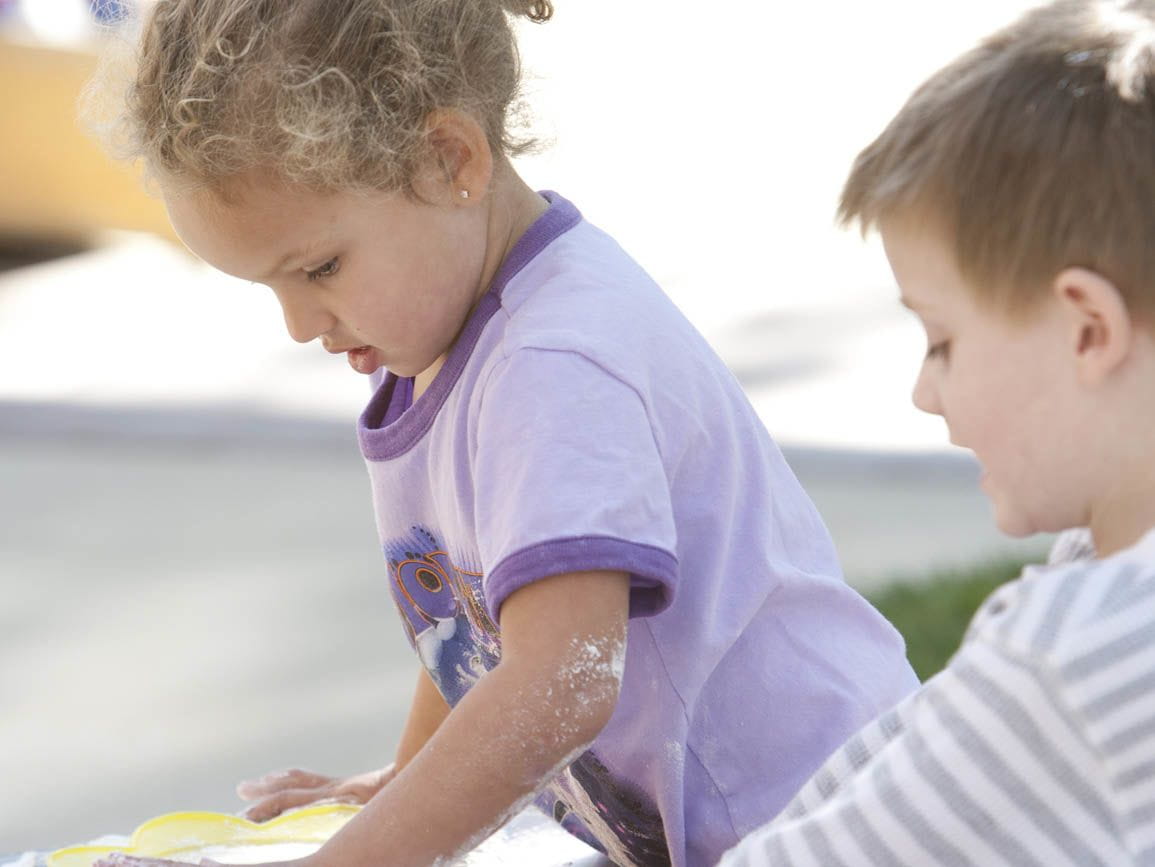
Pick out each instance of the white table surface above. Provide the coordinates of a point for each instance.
(529, 839)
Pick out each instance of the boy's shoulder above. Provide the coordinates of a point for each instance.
(1056, 614)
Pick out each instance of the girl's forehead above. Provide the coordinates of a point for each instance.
(248, 237)
(261, 210)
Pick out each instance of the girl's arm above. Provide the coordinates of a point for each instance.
(563, 648)
(427, 713)
(277, 792)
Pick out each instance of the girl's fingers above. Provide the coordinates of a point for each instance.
(343, 798)
(275, 804)
(269, 784)
(119, 859)
(355, 791)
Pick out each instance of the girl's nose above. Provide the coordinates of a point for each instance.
(304, 320)
(925, 394)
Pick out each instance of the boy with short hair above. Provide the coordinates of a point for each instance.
(1015, 196)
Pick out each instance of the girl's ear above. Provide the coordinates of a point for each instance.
(463, 160)
(1100, 325)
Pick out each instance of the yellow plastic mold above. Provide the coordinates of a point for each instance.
(191, 836)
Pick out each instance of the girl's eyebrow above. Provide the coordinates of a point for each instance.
(297, 254)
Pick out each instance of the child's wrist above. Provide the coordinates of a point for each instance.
(387, 773)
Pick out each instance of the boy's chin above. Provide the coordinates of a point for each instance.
(1012, 522)
(1019, 523)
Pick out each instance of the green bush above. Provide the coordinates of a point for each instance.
(933, 614)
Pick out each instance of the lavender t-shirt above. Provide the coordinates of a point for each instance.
(580, 422)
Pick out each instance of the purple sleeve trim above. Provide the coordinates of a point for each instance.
(653, 571)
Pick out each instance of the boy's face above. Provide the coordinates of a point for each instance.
(1006, 389)
(385, 279)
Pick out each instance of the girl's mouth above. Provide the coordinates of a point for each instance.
(364, 359)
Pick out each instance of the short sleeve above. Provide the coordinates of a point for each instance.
(984, 765)
(567, 477)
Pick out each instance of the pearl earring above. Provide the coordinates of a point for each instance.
(464, 194)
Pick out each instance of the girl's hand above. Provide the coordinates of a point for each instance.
(119, 859)
(279, 791)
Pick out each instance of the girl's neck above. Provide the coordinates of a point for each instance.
(512, 207)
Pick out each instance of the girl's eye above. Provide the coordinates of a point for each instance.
(938, 350)
(327, 270)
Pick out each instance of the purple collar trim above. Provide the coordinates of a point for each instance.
(386, 430)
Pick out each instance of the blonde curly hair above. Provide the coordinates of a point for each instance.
(330, 94)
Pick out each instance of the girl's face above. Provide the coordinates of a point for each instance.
(1006, 389)
(388, 280)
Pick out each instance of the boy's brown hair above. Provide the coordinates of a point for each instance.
(1033, 152)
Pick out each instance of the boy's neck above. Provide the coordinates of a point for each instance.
(1125, 516)
(1123, 510)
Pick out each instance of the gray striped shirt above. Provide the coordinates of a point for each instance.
(1035, 746)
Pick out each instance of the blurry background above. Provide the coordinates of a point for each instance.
(191, 587)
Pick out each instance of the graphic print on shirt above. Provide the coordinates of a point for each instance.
(586, 798)
(443, 611)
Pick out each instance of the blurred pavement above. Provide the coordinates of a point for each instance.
(186, 356)
(192, 591)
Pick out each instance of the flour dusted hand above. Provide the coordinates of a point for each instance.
(274, 793)
(117, 859)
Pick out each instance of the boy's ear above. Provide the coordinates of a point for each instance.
(463, 160)
(1099, 323)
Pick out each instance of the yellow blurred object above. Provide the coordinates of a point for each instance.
(180, 836)
(56, 183)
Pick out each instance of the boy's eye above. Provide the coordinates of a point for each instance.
(327, 270)
(938, 350)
